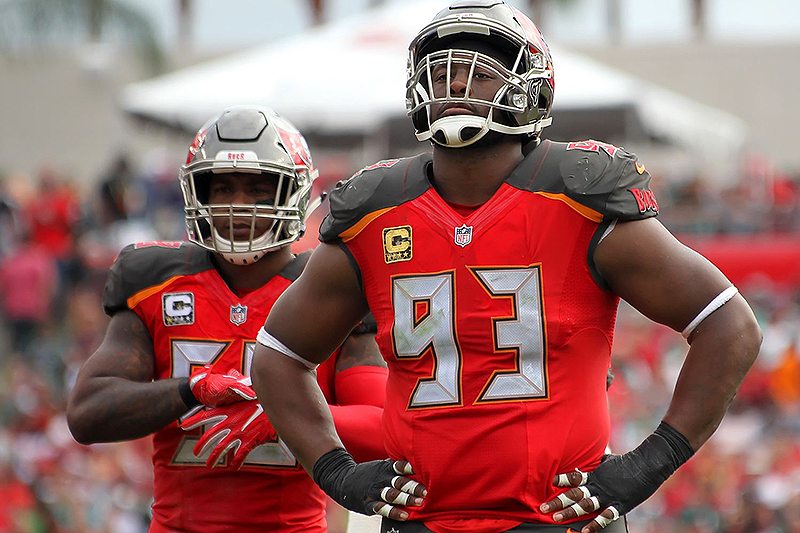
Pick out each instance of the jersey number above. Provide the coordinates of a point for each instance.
(189, 353)
(522, 333)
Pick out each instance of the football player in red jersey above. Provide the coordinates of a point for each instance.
(184, 320)
(494, 267)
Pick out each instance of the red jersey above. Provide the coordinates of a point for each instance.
(495, 326)
(195, 319)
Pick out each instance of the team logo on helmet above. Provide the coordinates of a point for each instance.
(294, 143)
(197, 144)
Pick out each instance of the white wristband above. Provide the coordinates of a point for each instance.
(721, 299)
(271, 342)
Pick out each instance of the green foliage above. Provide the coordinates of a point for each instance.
(42, 25)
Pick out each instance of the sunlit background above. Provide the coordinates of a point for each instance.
(99, 100)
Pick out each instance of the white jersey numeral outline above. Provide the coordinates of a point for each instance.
(435, 332)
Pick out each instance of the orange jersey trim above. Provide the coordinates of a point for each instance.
(134, 300)
(357, 228)
(588, 212)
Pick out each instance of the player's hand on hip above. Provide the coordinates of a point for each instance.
(237, 428)
(579, 501)
(374, 487)
(401, 492)
(621, 482)
(213, 388)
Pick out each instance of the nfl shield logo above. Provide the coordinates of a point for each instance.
(238, 314)
(463, 235)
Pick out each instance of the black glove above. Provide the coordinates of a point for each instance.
(622, 482)
(625, 481)
(367, 488)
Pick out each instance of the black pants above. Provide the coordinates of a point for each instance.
(617, 526)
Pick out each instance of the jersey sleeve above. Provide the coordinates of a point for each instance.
(609, 180)
(118, 287)
(632, 198)
(371, 192)
(141, 267)
(359, 427)
(361, 385)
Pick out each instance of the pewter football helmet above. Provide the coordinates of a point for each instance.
(251, 139)
(492, 36)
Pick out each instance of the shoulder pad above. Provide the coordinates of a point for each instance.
(372, 190)
(146, 265)
(606, 179)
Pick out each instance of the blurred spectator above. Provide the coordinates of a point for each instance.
(51, 214)
(113, 190)
(164, 199)
(791, 514)
(8, 223)
(115, 218)
(19, 508)
(28, 283)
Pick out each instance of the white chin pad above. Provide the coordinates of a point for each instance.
(452, 127)
(240, 253)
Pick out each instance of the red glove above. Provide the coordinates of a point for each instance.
(237, 427)
(214, 388)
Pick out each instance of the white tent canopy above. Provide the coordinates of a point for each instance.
(349, 76)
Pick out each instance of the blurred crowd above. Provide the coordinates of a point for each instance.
(763, 200)
(56, 243)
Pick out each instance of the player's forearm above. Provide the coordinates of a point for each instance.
(114, 409)
(722, 351)
(295, 405)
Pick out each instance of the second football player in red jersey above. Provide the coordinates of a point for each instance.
(184, 320)
(494, 267)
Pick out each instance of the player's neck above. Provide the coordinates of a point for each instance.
(470, 176)
(250, 277)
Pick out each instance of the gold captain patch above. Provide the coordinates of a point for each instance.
(397, 244)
